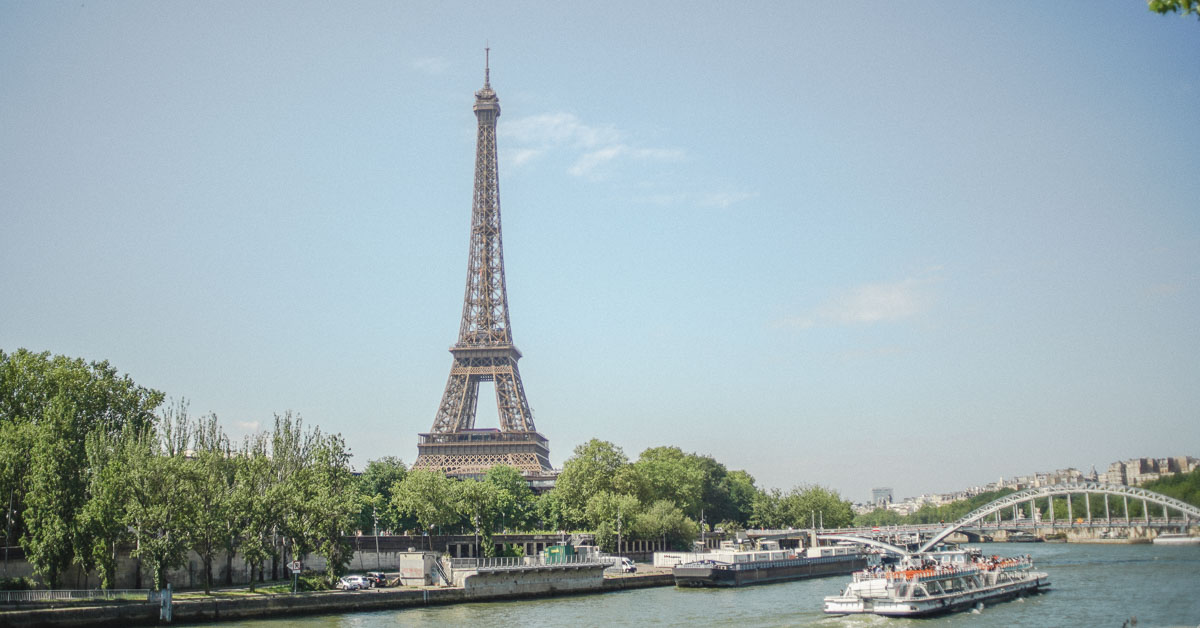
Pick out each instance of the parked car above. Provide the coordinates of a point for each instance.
(377, 578)
(628, 566)
(353, 583)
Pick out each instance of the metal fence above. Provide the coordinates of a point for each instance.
(52, 595)
(509, 562)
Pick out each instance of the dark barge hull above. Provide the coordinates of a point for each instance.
(744, 574)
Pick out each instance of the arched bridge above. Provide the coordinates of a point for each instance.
(898, 538)
(1187, 511)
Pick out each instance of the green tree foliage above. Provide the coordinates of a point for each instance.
(160, 505)
(375, 484)
(766, 511)
(254, 507)
(427, 496)
(592, 469)
(665, 521)
(666, 474)
(102, 529)
(54, 494)
(1184, 7)
(211, 476)
(479, 502)
(333, 504)
(48, 407)
(549, 512)
(515, 502)
(610, 514)
(1181, 486)
(806, 506)
(739, 486)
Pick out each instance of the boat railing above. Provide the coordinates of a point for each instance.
(783, 562)
(942, 572)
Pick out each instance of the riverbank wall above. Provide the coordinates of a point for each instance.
(477, 588)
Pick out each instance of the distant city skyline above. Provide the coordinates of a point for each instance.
(1129, 472)
(849, 246)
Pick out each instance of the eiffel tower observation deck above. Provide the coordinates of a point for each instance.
(485, 351)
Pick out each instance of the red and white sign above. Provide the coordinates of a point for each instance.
(295, 566)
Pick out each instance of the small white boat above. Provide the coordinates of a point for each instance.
(938, 582)
(1176, 539)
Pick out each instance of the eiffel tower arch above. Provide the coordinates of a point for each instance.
(485, 351)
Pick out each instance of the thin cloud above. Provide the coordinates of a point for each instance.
(723, 200)
(247, 426)
(871, 303)
(591, 150)
(431, 65)
(868, 304)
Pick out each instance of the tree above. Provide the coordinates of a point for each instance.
(253, 509)
(515, 502)
(54, 495)
(591, 469)
(816, 506)
(428, 496)
(102, 518)
(549, 511)
(610, 514)
(1183, 7)
(209, 471)
(664, 520)
(767, 510)
(48, 407)
(16, 446)
(334, 504)
(479, 503)
(375, 484)
(665, 473)
(292, 448)
(159, 500)
(741, 490)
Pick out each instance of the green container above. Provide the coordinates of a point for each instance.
(557, 553)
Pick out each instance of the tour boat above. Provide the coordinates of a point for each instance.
(1176, 539)
(730, 567)
(937, 582)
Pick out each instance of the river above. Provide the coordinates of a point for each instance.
(1092, 585)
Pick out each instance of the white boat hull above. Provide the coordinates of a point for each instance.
(932, 605)
(1176, 539)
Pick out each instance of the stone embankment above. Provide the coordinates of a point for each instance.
(240, 607)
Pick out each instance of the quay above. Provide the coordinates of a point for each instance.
(485, 585)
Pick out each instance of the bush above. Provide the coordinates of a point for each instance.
(16, 584)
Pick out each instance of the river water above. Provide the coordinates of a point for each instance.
(1092, 585)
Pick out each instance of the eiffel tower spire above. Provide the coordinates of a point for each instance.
(485, 349)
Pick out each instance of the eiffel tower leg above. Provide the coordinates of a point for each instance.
(457, 410)
(513, 409)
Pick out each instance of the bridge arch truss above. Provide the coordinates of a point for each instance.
(1188, 511)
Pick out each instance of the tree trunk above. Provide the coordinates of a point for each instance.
(207, 574)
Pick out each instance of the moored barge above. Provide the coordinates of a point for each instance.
(728, 567)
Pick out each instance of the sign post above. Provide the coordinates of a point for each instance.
(295, 567)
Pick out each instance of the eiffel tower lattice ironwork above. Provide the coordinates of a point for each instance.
(484, 351)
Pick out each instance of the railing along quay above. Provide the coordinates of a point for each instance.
(50, 595)
(508, 562)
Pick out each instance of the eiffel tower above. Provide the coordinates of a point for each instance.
(485, 351)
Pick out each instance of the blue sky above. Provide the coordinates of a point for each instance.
(910, 245)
